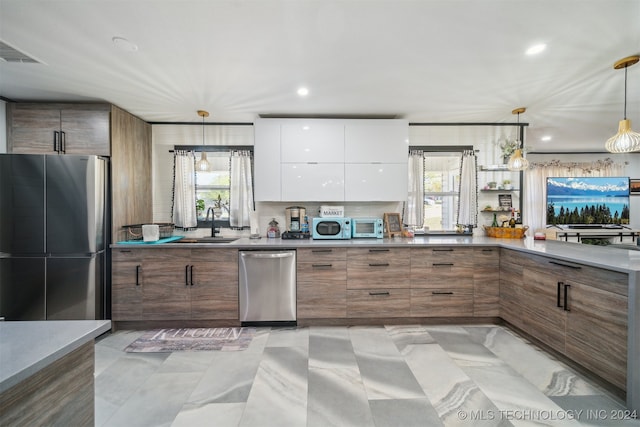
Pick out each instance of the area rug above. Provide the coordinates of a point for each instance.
(192, 339)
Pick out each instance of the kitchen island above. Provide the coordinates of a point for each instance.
(580, 301)
(47, 372)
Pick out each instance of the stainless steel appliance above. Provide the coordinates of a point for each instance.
(267, 281)
(331, 228)
(53, 237)
(367, 228)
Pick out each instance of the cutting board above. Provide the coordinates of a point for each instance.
(142, 242)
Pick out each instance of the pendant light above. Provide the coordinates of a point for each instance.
(517, 162)
(626, 140)
(203, 164)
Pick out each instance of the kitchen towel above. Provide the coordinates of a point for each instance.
(150, 232)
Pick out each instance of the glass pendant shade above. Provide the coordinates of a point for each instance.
(203, 164)
(625, 141)
(517, 162)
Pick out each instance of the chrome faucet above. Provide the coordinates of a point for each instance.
(213, 221)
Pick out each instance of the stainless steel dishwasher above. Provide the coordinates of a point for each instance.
(267, 281)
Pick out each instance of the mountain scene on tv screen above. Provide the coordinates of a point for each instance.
(590, 200)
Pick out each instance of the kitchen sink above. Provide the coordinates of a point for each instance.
(207, 240)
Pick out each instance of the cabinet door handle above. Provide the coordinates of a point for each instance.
(56, 141)
(373, 294)
(442, 264)
(378, 250)
(63, 141)
(441, 293)
(191, 275)
(186, 275)
(378, 264)
(137, 275)
(322, 265)
(443, 250)
(558, 295)
(566, 297)
(321, 250)
(575, 267)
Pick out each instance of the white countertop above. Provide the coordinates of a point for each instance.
(27, 347)
(616, 259)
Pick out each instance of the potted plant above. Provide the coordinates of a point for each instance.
(508, 147)
(507, 184)
(492, 185)
(199, 208)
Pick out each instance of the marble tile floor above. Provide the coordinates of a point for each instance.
(350, 376)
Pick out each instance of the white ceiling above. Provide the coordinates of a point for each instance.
(422, 60)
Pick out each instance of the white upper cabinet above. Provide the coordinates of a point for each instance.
(377, 141)
(375, 182)
(330, 160)
(312, 141)
(266, 163)
(312, 182)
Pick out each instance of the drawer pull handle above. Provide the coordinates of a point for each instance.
(125, 251)
(558, 294)
(137, 275)
(575, 267)
(321, 250)
(378, 264)
(566, 297)
(442, 264)
(443, 250)
(378, 250)
(322, 265)
(373, 294)
(487, 250)
(442, 293)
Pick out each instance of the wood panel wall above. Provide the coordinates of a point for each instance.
(131, 189)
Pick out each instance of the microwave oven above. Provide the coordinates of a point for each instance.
(331, 228)
(367, 227)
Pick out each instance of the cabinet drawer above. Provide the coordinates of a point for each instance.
(322, 254)
(322, 270)
(442, 302)
(441, 274)
(214, 255)
(486, 257)
(127, 254)
(322, 299)
(429, 257)
(378, 303)
(373, 268)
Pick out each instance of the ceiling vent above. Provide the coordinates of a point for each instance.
(10, 54)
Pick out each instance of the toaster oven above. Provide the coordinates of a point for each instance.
(367, 228)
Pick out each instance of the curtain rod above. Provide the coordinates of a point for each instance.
(212, 148)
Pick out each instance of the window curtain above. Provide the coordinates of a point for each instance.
(184, 190)
(414, 211)
(535, 180)
(241, 191)
(468, 191)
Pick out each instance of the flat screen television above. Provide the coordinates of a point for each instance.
(587, 200)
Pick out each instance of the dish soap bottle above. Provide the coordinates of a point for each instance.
(273, 231)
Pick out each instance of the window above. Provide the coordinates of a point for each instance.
(214, 186)
(441, 186)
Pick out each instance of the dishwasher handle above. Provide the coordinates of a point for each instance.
(267, 255)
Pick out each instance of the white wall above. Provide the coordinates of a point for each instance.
(3, 127)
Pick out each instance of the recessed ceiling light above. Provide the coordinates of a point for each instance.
(303, 91)
(124, 44)
(536, 49)
(545, 138)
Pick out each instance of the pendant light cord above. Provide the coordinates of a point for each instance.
(625, 91)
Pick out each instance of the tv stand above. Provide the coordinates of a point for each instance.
(612, 233)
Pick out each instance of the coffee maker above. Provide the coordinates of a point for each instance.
(296, 223)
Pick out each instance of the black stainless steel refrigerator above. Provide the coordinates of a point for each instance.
(53, 236)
